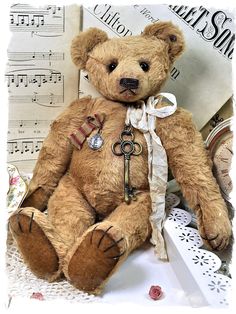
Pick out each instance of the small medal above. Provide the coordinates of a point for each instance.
(96, 141)
(79, 135)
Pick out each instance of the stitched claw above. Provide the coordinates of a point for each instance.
(114, 244)
(104, 233)
(117, 256)
(18, 222)
(31, 220)
(208, 239)
(10, 226)
(91, 239)
(216, 248)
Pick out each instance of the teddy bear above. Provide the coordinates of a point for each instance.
(92, 174)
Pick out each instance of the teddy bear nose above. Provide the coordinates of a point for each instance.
(129, 83)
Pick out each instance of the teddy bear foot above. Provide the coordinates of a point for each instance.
(95, 259)
(37, 251)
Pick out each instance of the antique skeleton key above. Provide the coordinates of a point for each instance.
(127, 147)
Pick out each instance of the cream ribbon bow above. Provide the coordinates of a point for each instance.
(144, 119)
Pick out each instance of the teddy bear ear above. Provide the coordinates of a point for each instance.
(84, 43)
(168, 32)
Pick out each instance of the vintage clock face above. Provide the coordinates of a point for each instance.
(220, 145)
(222, 164)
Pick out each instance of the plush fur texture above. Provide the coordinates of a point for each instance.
(89, 229)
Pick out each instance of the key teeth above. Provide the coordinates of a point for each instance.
(132, 193)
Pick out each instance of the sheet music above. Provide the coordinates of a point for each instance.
(201, 79)
(40, 76)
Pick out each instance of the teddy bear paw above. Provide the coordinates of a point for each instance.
(215, 231)
(95, 258)
(36, 249)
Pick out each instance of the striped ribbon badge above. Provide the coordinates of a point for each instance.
(78, 136)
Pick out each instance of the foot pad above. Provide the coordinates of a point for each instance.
(37, 251)
(94, 259)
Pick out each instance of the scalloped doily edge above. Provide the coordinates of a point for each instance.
(194, 266)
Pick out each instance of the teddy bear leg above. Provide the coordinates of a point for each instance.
(44, 240)
(104, 246)
(69, 212)
(36, 241)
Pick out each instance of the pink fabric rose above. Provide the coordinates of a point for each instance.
(37, 295)
(14, 180)
(155, 292)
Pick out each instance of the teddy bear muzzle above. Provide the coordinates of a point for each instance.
(129, 87)
(129, 83)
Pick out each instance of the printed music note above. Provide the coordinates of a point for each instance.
(38, 146)
(10, 147)
(16, 147)
(11, 19)
(39, 55)
(10, 79)
(23, 19)
(29, 19)
(39, 79)
(38, 69)
(24, 146)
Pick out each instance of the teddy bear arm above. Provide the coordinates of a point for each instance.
(189, 163)
(187, 157)
(55, 154)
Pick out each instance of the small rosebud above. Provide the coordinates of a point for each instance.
(155, 292)
(37, 295)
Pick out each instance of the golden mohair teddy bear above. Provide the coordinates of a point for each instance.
(94, 167)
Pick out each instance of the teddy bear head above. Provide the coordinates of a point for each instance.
(130, 68)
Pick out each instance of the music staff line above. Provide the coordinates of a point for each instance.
(29, 124)
(36, 20)
(38, 79)
(49, 100)
(24, 8)
(47, 28)
(32, 55)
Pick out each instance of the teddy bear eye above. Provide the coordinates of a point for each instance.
(144, 66)
(111, 67)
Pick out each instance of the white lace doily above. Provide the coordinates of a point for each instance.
(24, 284)
(200, 263)
(21, 282)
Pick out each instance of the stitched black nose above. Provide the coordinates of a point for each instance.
(129, 83)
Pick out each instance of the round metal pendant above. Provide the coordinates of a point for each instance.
(95, 142)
